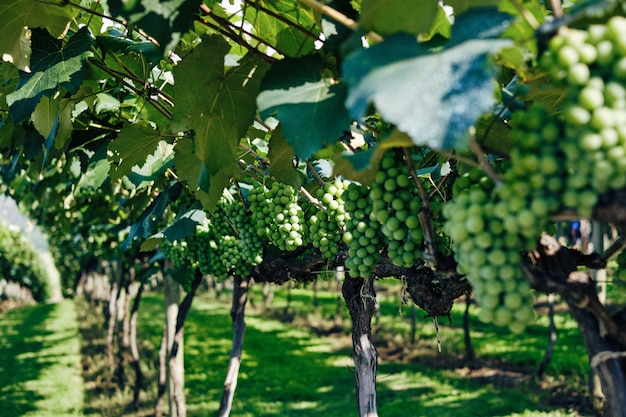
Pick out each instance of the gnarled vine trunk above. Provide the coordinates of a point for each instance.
(237, 313)
(553, 268)
(361, 300)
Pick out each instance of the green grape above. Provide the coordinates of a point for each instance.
(593, 119)
(395, 205)
(251, 243)
(277, 215)
(326, 225)
(362, 234)
(481, 240)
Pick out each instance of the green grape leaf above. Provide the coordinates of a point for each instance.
(165, 20)
(220, 115)
(96, 174)
(309, 105)
(284, 34)
(149, 219)
(53, 66)
(153, 168)
(133, 145)
(387, 17)
(207, 188)
(432, 96)
(182, 227)
(45, 116)
(16, 15)
(282, 160)
(114, 41)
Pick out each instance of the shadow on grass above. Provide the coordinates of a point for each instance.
(22, 335)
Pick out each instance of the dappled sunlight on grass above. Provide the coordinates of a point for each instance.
(39, 362)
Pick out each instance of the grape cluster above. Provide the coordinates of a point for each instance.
(591, 64)
(363, 234)
(204, 251)
(277, 215)
(486, 251)
(176, 251)
(395, 205)
(326, 225)
(251, 242)
(536, 177)
(231, 256)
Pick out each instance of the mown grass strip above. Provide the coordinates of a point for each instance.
(39, 362)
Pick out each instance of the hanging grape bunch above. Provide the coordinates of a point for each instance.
(487, 252)
(326, 225)
(395, 205)
(251, 242)
(591, 65)
(362, 235)
(277, 215)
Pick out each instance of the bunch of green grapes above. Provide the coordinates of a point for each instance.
(231, 255)
(204, 250)
(277, 215)
(177, 252)
(487, 253)
(326, 224)
(362, 234)
(591, 64)
(536, 176)
(395, 205)
(251, 243)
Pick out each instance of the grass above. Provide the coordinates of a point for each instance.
(290, 370)
(39, 362)
(295, 363)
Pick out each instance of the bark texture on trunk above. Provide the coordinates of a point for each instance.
(361, 300)
(172, 298)
(134, 350)
(553, 268)
(237, 314)
(175, 361)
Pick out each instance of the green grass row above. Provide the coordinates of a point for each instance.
(40, 373)
(290, 370)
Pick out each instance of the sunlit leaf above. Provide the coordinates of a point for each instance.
(282, 160)
(133, 145)
(53, 66)
(387, 17)
(15, 15)
(309, 105)
(433, 97)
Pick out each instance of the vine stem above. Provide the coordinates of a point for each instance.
(484, 163)
(424, 214)
(226, 28)
(557, 8)
(528, 17)
(102, 15)
(339, 17)
(319, 179)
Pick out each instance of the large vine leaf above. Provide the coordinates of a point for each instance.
(281, 160)
(96, 174)
(387, 17)
(287, 34)
(308, 104)
(16, 15)
(132, 147)
(165, 20)
(149, 219)
(432, 96)
(218, 106)
(53, 66)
